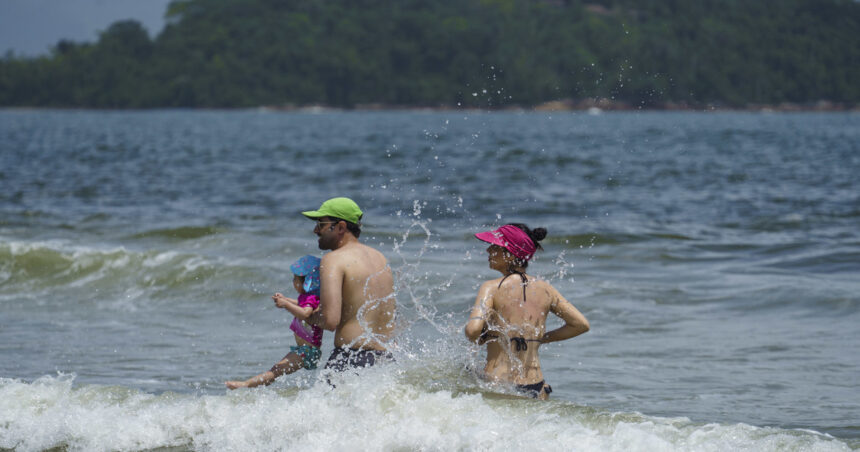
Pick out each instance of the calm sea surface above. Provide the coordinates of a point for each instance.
(717, 257)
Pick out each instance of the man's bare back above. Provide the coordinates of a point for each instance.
(357, 281)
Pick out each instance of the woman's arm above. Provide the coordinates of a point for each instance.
(574, 322)
(477, 323)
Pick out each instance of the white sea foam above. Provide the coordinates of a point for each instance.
(374, 411)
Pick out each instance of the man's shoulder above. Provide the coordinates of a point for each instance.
(352, 252)
(330, 260)
(373, 251)
(361, 251)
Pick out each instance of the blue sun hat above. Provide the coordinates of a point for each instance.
(309, 267)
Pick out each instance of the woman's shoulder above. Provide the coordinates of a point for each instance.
(545, 285)
(542, 286)
(490, 284)
(515, 279)
(539, 281)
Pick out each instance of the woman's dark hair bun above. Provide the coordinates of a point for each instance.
(538, 234)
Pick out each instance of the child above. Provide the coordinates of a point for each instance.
(306, 353)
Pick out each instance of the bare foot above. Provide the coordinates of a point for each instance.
(236, 384)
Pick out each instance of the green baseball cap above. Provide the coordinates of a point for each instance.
(343, 208)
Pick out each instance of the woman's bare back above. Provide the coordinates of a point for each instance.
(518, 319)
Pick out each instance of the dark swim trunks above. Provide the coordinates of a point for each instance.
(533, 390)
(342, 358)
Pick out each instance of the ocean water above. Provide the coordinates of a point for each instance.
(716, 256)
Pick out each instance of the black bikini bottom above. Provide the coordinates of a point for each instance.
(342, 358)
(533, 390)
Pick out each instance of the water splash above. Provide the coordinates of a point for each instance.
(376, 410)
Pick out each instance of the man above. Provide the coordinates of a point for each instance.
(357, 288)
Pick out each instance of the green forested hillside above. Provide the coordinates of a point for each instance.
(486, 53)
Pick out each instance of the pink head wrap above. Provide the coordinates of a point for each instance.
(512, 239)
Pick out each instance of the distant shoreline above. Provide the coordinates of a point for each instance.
(610, 105)
(593, 106)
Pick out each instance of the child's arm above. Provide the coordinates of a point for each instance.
(301, 313)
(279, 299)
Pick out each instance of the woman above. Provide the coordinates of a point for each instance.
(510, 312)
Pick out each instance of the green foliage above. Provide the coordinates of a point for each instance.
(473, 53)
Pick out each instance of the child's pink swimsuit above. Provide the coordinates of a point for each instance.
(310, 333)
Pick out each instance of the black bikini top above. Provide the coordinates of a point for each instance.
(520, 343)
(522, 276)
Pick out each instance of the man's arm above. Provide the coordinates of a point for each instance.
(574, 322)
(331, 294)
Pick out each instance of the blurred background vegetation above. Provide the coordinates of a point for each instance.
(447, 53)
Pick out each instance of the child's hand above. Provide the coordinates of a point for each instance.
(282, 301)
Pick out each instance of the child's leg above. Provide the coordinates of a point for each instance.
(291, 363)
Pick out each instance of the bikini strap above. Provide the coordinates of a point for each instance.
(519, 344)
(522, 276)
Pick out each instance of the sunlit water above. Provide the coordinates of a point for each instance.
(715, 255)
